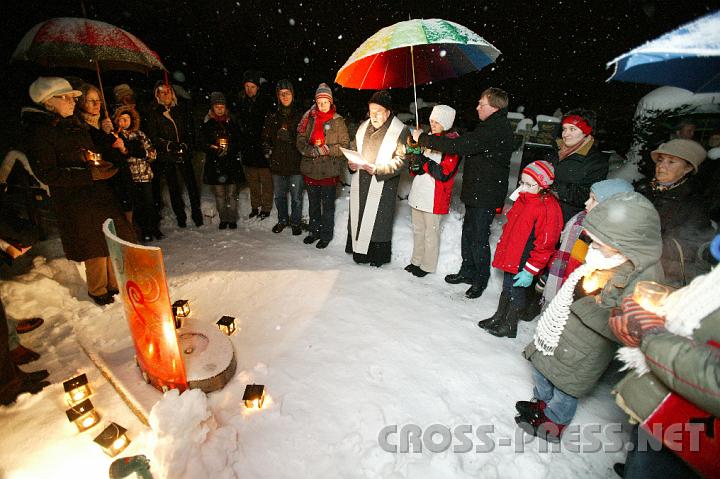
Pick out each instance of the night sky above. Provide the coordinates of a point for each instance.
(553, 52)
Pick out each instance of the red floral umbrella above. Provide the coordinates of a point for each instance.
(84, 43)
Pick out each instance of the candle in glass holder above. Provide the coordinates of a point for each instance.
(650, 295)
(93, 157)
(318, 142)
(223, 143)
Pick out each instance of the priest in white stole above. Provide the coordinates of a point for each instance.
(381, 143)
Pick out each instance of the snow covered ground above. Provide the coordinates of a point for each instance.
(344, 351)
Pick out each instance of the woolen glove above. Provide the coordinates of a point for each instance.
(632, 323)
(417, 163)
(324, 150)
(523, 279)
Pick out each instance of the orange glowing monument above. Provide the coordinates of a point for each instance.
(197, 356)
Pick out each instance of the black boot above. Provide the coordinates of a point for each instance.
(508, 326)
(499, 313)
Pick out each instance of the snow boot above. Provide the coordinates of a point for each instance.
(528, 407)
(507, 327)
(499, 313)
(539, 425)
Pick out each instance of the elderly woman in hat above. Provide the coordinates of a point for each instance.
(80, 191)
(223, 170)
(685, 224)
(320, 134)
(578, 163)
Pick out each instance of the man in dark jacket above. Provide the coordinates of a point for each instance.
(251, 118)
(172, 132)
(484, 185)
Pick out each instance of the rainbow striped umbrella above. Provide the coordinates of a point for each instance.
(415, 52)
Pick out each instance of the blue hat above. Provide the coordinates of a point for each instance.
(606, 188)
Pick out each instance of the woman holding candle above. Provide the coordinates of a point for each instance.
(321, 132)
(80, 193)
(223, 169)
(573, 344)
(683, 217)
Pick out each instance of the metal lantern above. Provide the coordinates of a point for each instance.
(226, 324)
(77, 389)
(113, 439)
(181, 308)
(83, 415)
(254, 396)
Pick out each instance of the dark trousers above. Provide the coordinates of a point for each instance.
(144, 212)
(518, 295)
(321, 207)
(475, 248)
(651, 462)
(171, 173)
(7, 369)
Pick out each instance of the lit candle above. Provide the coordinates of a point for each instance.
(650, 295)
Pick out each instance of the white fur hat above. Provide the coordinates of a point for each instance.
(45, 87)
(444, 115)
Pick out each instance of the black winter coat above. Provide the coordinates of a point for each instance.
(220, 170)
(279, 136)
(251, 119)
(164, 133)
(81, 204)
(487, 164)
(575, 175)
(684, 219)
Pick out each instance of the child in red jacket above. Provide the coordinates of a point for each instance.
(527, 242)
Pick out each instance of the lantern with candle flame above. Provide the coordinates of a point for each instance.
(254, 396)
(180, 309)
(222, 143)
(226, 324)
(113, 439)
(77, 389)
(92, 157)
(83, 415)
(650, 295)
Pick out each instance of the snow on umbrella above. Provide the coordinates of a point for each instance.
(84, 43)
(687, 57)
(415, 52)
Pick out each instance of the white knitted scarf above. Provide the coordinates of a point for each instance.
(552, 321)
(683, 310)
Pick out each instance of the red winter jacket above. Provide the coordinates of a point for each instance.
(431, 192)
(531, 215)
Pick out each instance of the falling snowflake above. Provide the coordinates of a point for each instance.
(443, 53)
(339, 37)
(306, 60)
(292, 22)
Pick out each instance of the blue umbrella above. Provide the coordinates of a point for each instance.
(687, 57)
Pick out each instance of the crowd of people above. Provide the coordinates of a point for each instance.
(567, 220)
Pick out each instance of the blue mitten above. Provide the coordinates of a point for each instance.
(523, 279)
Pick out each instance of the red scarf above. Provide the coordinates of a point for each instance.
(317, 137)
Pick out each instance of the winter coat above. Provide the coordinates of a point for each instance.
(80, 203)
(683, 219)
(279, 141)
(688, 366)
(251, 118)
(165, 127)
(431, 192)
(529, 237)
(574, 176)
(630, 224)
(487, 164)
(141, 153)
(326, 166)
(226, 169)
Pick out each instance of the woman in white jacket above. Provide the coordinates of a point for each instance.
(433, 178)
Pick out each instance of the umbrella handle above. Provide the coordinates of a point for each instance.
(102, 92)
(412, 61)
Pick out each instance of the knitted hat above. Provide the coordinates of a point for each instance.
(689, 150)
(444, 115)
(579, 122)
(217, 98)
(382, 98)
(323, 91)
(606, 188)
(122, 90)
(251, 76)
(542, 172)
(44, 88)
(284, 84)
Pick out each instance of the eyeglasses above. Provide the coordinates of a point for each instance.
(483, 105)
(93, 102)
(529, 185)
(65, 97)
